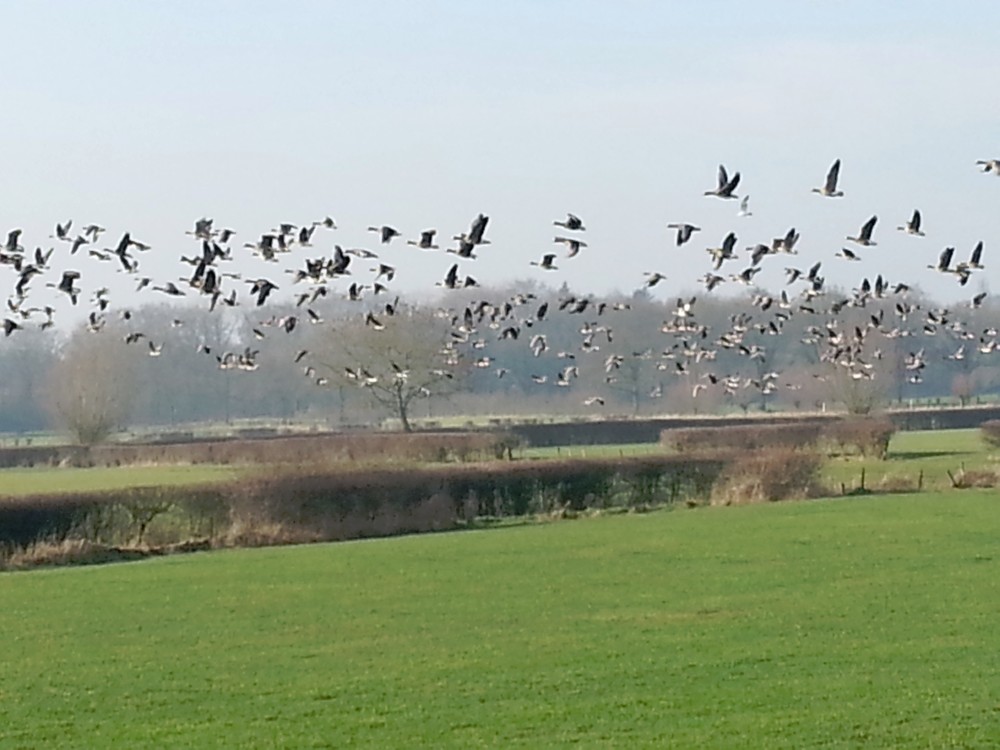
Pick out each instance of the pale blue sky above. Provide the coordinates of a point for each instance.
(146, 115)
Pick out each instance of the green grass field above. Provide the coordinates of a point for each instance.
(848, 623)
(934, 453)
(910, 452)
(15, 482)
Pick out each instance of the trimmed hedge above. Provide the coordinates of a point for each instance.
(361, 502)
(868, 436)
(743, 437)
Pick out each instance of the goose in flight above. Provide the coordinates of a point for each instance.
(450, 279)
(745, 207)
(262, 288)
(724, 253)
(66, 285)
(93, 231)
(787, 243)
(865, 235)
(990, 165)
(711, 280)
(725, 186)
(80, 240)
(202, 229)
(829, 188)
(169, 288)
(573, 223)
(547, 262)
(385, 232)
(975, 261)
(62, 231)
(465, 247)
(477, 230)
(944, 261)
(13, 245)
(913, 225)
(305, 235)
(426, 241)
(684, 231)
(572, 244)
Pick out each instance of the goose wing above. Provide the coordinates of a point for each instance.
(832, 176)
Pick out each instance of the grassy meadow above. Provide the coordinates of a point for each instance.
(46, 480)
(863, 622)
(934, 453)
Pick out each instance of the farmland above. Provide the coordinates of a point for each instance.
(861, 621)
(854, 622)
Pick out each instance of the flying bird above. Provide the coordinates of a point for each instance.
(426, 241)
(572, 244)
(684, 232)
(573, 223)
(385, 233)
(547, 262)
(725, 186)
(913, 225)
(829, 188)
(865, 235)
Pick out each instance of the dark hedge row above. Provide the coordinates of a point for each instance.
(359, 502)
(867, 436)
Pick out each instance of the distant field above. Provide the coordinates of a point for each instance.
(932, 452)
(838, 624)
(14, 482)
(592, 451)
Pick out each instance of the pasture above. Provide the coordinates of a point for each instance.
(866, 622)
(933, 452)
(48, 480)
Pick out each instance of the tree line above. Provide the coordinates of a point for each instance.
(353, 365)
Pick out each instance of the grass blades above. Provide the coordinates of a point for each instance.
(836, 624)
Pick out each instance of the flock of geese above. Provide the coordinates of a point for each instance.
(363, 275)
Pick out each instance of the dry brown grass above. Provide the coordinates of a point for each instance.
(965, 479)
(769, 475)
(897, 483)
(70, 552)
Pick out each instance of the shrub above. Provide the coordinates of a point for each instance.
(867, 436)
(800, 433)
(768, 475)
(990, 430)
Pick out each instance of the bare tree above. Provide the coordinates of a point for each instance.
(92, 386)
(963, 387)
(394, 359)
